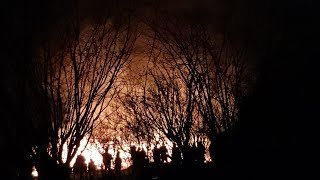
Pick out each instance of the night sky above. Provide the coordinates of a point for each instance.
(282, 39)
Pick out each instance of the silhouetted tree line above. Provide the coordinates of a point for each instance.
(193, 85)
(254, 134)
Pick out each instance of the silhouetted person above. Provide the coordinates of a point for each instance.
(176, 155)
(92, 169)
(133, 153)
(200, 152)
(80, 166)
(117, 165)
(141, 157)
(46, 166)
(187, 156)
(163, 153)
(144, 158)
(139, 163)
(134, 159)
(107, 157)
(156, 155)
(194, 154)
(145, 164)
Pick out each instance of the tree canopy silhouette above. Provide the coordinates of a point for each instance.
(77, 79)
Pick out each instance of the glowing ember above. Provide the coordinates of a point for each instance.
(34, 172)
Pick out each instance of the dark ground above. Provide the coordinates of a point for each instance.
(162, 173)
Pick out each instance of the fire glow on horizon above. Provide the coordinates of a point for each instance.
(95, 150)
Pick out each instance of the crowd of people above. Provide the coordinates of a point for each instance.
(81, 169)
(141, 164)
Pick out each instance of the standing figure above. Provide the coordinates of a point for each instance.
(156, 156)
(92, 169)
(134, 158)
(176, 155)
(80, 167)
(201, 150)
(163, 153)
(107, 157)
(117, 165)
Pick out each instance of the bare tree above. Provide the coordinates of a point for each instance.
(192, 87)
(164, 104)
(224, 81)
(213, 71)
(78, 79)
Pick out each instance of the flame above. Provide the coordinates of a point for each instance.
(94, 151)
